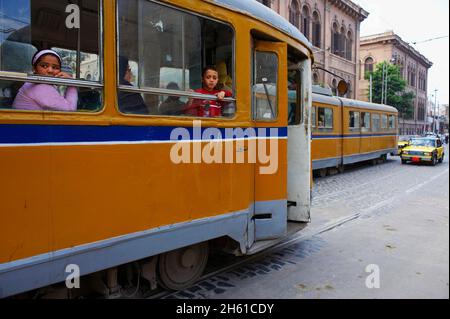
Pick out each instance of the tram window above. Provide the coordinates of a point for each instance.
(71, 28)
(170, 48)
(313, 116)
(391, 121)
(384, 121)
(325, 118)
(365, 121)
(376, 125)
(353, 121)
(265, 86)
(295, 106)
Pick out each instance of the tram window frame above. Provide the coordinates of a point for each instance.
(260, 108)
(392, 122)
(384, 122)
(365, 121)
(376, 122)
(313, 117)
(356, 115)
(156, 95)
(90, 93)
(295, 83)
(328, 121)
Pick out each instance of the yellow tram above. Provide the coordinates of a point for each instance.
(87, 191)
(346, 131)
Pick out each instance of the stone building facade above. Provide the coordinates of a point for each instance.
(333, 28)
(414, 67)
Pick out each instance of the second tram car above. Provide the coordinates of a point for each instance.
(346, 131)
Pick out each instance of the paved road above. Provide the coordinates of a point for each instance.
(395, 240)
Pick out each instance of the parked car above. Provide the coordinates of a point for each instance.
(423, 149)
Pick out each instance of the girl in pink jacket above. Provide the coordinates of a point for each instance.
(33, 96)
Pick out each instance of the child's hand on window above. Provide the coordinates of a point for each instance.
(221, 95)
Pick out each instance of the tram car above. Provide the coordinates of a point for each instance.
(346, 131)
(127, 177)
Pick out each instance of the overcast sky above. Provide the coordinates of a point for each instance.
(415, 21)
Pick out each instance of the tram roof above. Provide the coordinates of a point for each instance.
(261, 12)
(368, 105)
(334, 100)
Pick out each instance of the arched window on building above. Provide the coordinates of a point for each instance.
(335, 39)
(341, 51)
(305, 22)
(368, 65)
(316, 36)
(349, 46)
(294, 13)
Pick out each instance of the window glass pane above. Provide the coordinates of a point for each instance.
(384, 121)
(164, 48)
(71, 28)
(328, 118)
(313, 116)
(325, 117)
(391, 121)
(295, 109)
(376, 122)
(365, 121)
(354, 120)
(265, 86)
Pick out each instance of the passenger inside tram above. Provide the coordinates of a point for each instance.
(208, 108)
(32, 96)
(129, 102)
(172, 104)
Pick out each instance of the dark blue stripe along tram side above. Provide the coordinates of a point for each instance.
(38, 134)
(316, 136)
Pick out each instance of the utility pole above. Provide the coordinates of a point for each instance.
(434, 112)
(370, 93)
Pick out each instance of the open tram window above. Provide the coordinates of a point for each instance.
(170, 48)
(71, 28)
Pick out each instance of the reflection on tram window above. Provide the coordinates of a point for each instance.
(170, 48)
(70, 28)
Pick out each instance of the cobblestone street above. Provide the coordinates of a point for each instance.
(392, 217)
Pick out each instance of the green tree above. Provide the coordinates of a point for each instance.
(397, 96)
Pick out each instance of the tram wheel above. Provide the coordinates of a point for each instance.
(323, 172)
(178, 269)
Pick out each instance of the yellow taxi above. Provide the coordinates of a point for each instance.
(424, 149)
(400, 145)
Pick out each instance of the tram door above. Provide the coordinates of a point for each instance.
(269, 110)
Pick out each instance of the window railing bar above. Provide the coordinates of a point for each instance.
(148, 90)
(49, 80)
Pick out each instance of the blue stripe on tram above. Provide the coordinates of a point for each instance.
(37, 134)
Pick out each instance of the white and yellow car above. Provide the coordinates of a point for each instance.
(426, 149)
